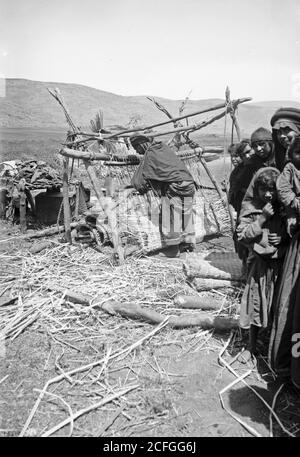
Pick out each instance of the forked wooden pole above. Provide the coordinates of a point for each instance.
(232, 113)
(235, 125)
(66, 201)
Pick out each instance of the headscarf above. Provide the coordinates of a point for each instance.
(138, 139)
(290, 115)
(284, 117)
(261, 134)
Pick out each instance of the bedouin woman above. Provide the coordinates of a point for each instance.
(285, 336)
(285, 124)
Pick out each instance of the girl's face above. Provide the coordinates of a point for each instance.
(246, 154)
(285, 136)
(235, 160)
(262, 149)
(267, 194)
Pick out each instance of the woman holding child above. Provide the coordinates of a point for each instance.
(284, 353)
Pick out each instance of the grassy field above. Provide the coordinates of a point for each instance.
(26, 144)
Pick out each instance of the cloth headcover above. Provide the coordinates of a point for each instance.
(261, 134)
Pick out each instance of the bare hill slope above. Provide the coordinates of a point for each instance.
(28, 104)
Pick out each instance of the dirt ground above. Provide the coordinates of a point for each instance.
(175, 375)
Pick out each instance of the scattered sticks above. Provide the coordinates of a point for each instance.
(83, 411)
(223, 362)
(81, 369)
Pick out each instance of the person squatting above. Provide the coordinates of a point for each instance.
(165, 173)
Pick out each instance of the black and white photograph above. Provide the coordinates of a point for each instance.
(149, 222)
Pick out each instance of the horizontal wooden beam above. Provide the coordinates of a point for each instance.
(145, 130)
(87, 155)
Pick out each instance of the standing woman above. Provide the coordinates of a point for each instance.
(283, 351)
(285, 124)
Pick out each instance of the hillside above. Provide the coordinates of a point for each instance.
(29, 105)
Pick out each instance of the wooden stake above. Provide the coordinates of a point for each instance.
(30, 200)
(23, 201)
(77, 201)
(66, 201)
(214, 181)
(238, 133)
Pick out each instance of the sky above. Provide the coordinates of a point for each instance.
(166, 48)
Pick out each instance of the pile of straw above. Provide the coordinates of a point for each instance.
(107, 376)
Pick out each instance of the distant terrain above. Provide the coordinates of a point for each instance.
(32, 123)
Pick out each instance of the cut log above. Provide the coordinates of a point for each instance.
(196, 266)
(196, 302)
(38, 247)
(203, 320)
(74, 297)
(47, 232)
(201, 284)
(85, 155)
(135, 311)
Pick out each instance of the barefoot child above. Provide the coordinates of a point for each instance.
(261, 227)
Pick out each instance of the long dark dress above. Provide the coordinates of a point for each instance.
(284, 360)
(264, 259)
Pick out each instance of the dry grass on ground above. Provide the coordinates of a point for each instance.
(72, 369)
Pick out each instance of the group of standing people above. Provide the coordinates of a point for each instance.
(265, 193)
